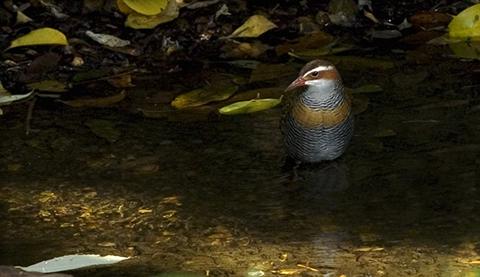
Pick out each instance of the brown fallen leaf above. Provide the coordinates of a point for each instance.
(428, 19)
(311, 41)
(121, 81)
(244, 50)
(96, 102)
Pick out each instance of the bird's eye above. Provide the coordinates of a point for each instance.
(314, 74)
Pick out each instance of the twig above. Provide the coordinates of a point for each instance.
(31, 105)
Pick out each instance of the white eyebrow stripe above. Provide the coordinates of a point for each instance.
(319, 68)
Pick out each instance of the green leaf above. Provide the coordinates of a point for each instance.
(104, 129)
(466, 24)
(40, 36)
(250, 106)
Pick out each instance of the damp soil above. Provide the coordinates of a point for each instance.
(212, 197)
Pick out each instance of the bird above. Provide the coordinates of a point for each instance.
(318, 124)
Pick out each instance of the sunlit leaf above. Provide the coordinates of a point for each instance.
(70, 262)
(255, 26)
(250, 106)
(49, 85)
(466, 24)
(140, 21)
(96, 102)
(40, 36)
(202, 96)
(147, 7)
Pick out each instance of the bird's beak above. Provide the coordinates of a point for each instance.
(299, 82)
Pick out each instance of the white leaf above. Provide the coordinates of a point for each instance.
(70, 262)
(108, 40)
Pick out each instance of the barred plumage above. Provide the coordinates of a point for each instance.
(319, 123)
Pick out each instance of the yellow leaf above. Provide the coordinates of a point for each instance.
(202, 96)
(253, 27)
(147, 7)
(466, 24)
(123, 8)
(140, 21)
(40, 36)
(250, 106)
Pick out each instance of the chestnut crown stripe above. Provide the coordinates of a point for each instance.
(319, 68)
(310, 118)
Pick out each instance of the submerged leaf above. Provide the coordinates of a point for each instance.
(202, 96)
(264, 72)
(466, 24)
(40, 36)
(147, 7)
(319, 52)
(310, 41)
(104, 129)
(255, 26)
(96, 102)
(49, 85)
(371, 88)
(250, 106)
(468, 50)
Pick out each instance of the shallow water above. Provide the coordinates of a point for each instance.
(211, 196)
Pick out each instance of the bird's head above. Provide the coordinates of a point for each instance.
(317, 73)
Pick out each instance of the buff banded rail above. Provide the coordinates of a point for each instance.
(319, 123)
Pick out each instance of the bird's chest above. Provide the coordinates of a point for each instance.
(314, 117)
